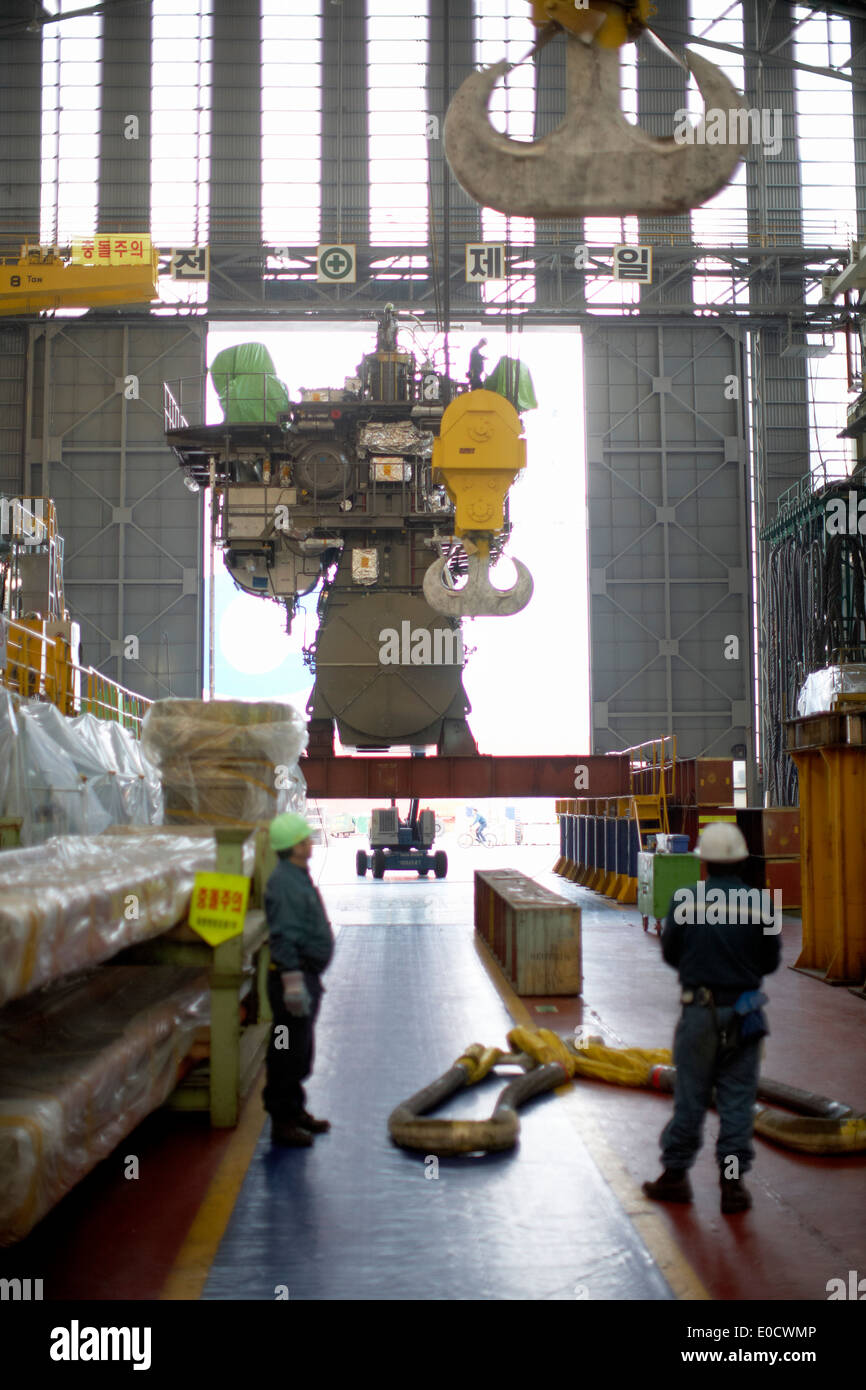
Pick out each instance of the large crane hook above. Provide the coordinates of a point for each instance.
(595, 164)
(478, 597)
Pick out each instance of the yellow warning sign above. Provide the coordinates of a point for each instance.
(219, 905)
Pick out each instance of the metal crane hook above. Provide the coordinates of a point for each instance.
(595, 164)
(478, 598)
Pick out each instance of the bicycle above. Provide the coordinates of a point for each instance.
(466, 839)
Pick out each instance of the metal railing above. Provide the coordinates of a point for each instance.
(38, 667)
(235, 398)
(652, 768)
(801, 499)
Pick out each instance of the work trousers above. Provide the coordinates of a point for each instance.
(703, 1066)
(289, 1065)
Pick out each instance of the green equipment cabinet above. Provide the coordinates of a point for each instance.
(658, 878)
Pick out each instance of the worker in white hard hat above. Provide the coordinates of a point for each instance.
(302, 944)
(721, 958)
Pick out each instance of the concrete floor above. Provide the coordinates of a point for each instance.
(222, 1216)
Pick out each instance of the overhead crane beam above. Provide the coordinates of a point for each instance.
(606, 775)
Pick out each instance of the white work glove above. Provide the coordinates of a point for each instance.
(295, 994)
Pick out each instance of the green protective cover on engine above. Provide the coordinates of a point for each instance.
(247, 385)
(507, 374)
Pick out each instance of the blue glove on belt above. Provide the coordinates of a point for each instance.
(753, 1020)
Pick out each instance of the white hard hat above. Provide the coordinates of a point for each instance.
(722, 843)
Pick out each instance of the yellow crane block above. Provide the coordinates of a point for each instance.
(609, 23)
(50, 282)
(477, 456)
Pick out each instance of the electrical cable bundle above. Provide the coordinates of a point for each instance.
(816, 617)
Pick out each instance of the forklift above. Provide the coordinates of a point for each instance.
(402, 844)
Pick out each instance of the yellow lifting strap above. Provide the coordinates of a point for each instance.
(479, 1061)
(543, 1046)
(623, 1066)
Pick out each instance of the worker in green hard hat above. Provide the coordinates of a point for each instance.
(302, 944)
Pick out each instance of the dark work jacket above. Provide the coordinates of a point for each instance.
(300, 933)
(727, 957)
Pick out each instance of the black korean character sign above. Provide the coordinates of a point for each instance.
(485, 260)
(633, 263)
(190, 263)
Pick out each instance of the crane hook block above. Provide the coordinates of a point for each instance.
(609, 23)
(477, 456)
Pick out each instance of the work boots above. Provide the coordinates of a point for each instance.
(290, 1136)
(735, 1197)
(672, 1186)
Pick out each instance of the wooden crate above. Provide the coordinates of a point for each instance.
(771, 831)
(534, 933)
(704, 782)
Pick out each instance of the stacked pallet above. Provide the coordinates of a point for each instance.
(773, 836)
(79, 899)
(81, 1064)
(225, 761)
(703, 792)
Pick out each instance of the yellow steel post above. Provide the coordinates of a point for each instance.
(831, 764)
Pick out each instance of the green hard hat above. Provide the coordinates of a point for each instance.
(288, 830)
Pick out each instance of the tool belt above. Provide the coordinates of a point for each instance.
(701, 994)
(748, 1023)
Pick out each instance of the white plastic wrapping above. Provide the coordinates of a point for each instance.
(81, 1064)
(223, 761)
(820, 689)
(62, 776)
(8, 740)
(77, 900)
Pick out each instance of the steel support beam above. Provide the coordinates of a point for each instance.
(237, 257)
(124, 151)
(20, 131)
(345, 128)
(366, 777)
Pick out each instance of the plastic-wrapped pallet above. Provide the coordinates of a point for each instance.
(223, 761)
(822, 688)
(77, 900)
(81, 1064)
(62, 776)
